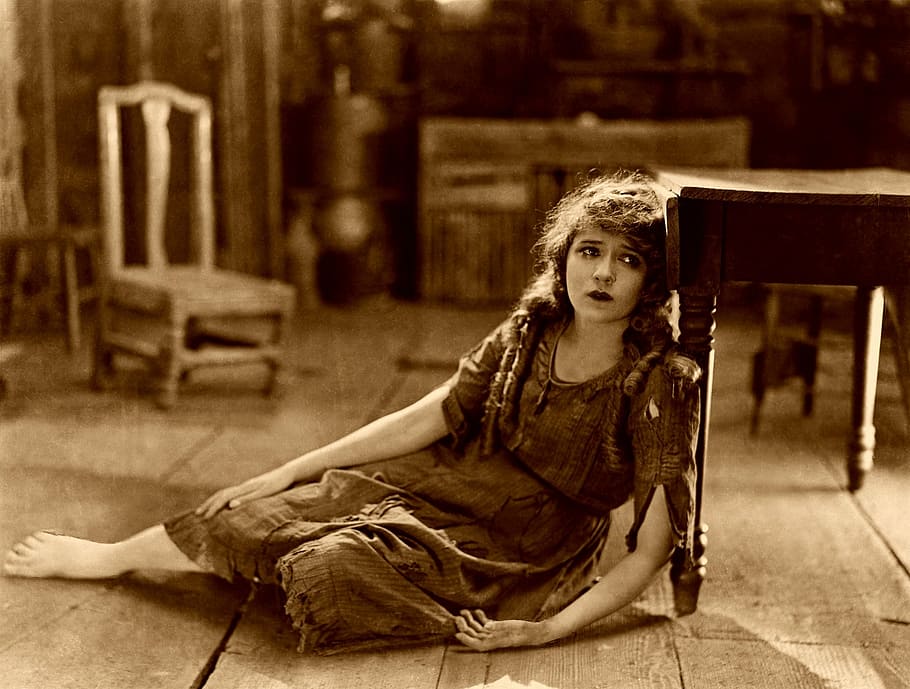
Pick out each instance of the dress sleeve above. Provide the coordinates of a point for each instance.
(470, 385)
(663, 425)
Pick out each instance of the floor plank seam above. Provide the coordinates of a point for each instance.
(55, 619)
(206, 441)
(809, 643)
(855, 500)
(881, 537)
(443, 674)
(677, 656)
(879, 533)
(212, 663)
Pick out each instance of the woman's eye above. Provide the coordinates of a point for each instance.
(589, 251)
(631, 260)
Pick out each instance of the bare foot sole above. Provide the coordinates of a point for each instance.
(44, 555)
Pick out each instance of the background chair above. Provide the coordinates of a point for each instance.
(783, 357)
(40, 271)
(175, 316)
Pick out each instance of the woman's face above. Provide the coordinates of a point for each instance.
(604, 276)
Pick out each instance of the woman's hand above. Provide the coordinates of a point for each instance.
(261, 486)
(477, 631)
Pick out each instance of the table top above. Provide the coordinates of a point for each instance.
(830, 227)
(857, 186)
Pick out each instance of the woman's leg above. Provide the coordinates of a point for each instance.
(45, 554)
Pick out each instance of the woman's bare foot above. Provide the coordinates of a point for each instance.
(45, 554)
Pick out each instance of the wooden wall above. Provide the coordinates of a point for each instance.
(823, 84)
(225, 49)
(11, 141)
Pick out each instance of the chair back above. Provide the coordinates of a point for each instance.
(155, 101)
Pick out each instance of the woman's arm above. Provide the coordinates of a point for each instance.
(398, 433)
(395, 434)
(618, 587)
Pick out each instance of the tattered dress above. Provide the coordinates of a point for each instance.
(389, 552)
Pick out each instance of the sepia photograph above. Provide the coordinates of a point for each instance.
(454, 344)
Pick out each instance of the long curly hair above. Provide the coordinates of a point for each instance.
(624, 203)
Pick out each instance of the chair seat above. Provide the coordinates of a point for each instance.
(191, 291)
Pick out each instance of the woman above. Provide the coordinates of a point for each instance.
(481, 510)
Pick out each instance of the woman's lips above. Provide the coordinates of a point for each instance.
(600, 296)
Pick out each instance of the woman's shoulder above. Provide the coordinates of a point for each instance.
(673, 373)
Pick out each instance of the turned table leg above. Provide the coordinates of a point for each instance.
(867, 339)
(696, 326)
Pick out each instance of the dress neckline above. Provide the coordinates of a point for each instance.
(598, 378)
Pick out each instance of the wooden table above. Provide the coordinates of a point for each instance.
(844, 227)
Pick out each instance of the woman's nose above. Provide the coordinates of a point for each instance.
(603, 272)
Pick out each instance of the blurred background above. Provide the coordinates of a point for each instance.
(341, 125)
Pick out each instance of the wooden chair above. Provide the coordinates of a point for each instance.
(784, 357)
(176, 316)
(40, 271)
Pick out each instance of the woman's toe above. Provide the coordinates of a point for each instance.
(33, 541)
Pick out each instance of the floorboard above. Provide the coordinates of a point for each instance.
(632, 649)
(148, 630)
(463, 668)
(800, 582)
(808, 585)
(261, 654)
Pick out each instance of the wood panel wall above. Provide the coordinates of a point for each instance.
(10, 119)
(225, 49)
(522, 58)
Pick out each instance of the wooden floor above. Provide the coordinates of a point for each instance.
(808, 585)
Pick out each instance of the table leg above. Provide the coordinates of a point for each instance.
(867, 339)
(696, 338)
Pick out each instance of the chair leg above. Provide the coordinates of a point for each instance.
(102, 362)
(166, 396)
(271, 383)
(21, 264)
(898, 310)
(70, 294)
(278, 336)
(809, 365)
(758, 389)
(805, 364)
(781, 359)
(169, 367)
(760, 363)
